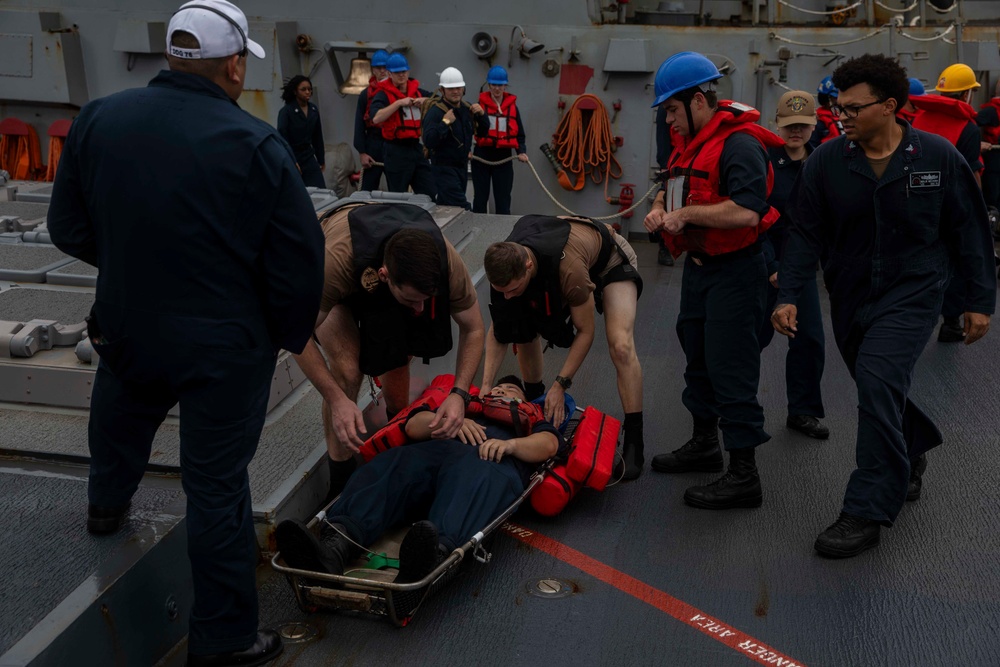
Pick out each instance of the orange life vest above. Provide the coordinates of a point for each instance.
(503, 121)
(943, 116)
(826, 117)
(694, 167)
(992, 134)
(405, 123)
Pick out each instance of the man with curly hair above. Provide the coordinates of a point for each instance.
(914, 214)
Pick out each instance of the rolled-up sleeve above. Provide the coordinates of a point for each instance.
(743, 170)
(291, 255)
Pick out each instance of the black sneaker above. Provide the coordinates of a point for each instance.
(302, 550)
(105, 520)
(847, 537)
(418, 553)
(951, 331)
(808, 425)
(916, 484)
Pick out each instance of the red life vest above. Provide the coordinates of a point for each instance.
(697, 161)
(943, 116)
(992, 134)
(907, 115)
(831, 122)
(503, 121)
(372, 90)
(404, 124)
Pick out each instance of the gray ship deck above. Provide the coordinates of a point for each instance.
(657, 582)
(652, 581)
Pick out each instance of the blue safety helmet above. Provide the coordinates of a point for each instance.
(916, 87)
(397, 63)
(826, 87)
(682, 71)
(380, 58)
(497, 76)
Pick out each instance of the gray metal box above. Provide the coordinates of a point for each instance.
(981, 56)
(134, 36)
(629, 55)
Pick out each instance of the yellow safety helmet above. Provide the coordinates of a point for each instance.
(956, 79)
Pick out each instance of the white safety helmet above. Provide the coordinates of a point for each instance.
(452, 78)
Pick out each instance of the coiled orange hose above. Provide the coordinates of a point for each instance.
(586, 149)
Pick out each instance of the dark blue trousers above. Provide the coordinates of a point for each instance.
(806, 352)
(880, 343)
(223, 397)
(406, 167)
(371, 180)
(441, 480)
(502, 178)
(721, 312)
(451, 185)
(312, 175)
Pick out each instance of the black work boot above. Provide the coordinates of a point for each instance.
(951, 331)
(848, 536)
(699, 454)
(739, 487)
(633, 446)
(917, 468)
(301, 549)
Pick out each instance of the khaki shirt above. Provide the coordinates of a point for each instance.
(338, 280)
(583, 247)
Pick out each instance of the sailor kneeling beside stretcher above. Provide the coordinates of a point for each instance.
(452, 487)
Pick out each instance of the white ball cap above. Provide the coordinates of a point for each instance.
(452, 78)
(220, 27)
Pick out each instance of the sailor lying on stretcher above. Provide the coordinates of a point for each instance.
(451, 488)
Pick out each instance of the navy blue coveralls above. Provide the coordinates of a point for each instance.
(405, 163)
(305, 135)
(888, 248)
(722, 309)
(444, 481)
(954, 295)
(449, 147)
(807, 351)
(368, 140)
(501, 176)
(210, 261)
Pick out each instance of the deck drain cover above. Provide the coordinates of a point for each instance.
(297, 632)
(549, 587)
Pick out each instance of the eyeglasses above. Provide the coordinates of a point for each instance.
(852, 110)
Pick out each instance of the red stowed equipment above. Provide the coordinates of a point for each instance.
(593, 440)
(393, 434)
(556, 490)
(593, 449)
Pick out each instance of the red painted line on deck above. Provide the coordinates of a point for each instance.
(678, 609)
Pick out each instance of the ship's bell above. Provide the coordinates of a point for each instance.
(357, 80)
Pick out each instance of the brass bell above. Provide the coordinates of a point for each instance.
(357, 80)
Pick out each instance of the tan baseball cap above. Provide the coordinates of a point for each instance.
(796, 107)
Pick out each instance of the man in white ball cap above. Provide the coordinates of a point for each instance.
(210, 261)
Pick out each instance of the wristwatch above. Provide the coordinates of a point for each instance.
(565, 382)
(466, 396)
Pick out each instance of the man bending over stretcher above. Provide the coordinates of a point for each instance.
(457, 486)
